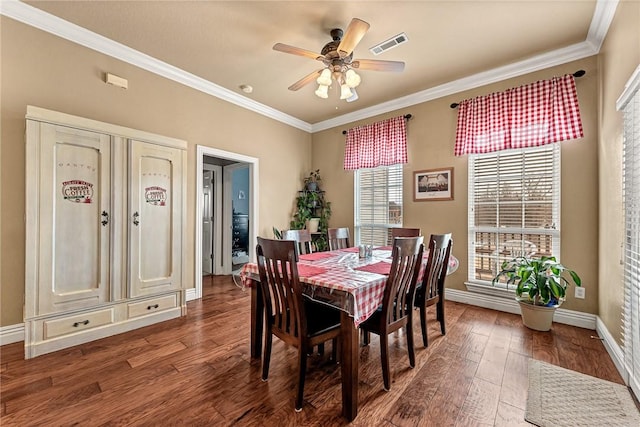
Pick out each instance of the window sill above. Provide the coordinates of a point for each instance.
(499, 291)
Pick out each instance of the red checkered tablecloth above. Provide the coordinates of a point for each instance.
(357, 292)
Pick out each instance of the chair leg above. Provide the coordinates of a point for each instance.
(334, 350)
(410, 346)
(366, 337)
(423, 325)
(321, 349)
(302, 371)
(440, 313)
(384, 357)
(266, 359)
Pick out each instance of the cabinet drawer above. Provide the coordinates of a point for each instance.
(77, 323)
(151, 306)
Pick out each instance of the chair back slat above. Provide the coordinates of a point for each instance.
(302, 239)
(338, 238)
(280, 285)
(437, 265)
(403, 232)
(400, 289)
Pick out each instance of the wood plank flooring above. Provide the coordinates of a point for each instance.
(196, 370)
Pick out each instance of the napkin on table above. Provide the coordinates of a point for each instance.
(315, 256)
(378, 267)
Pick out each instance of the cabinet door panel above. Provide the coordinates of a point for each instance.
(74, 244)
(155, 209)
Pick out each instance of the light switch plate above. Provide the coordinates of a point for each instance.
(580, 292)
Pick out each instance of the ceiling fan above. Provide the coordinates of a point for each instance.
(339, 65)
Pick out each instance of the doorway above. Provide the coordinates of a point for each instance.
(211, 217)
(223, 198)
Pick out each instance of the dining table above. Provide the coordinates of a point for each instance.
(345, 280)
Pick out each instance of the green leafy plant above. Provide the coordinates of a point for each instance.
(306, 204)
(277, 233)
(542, 280)
(310, 203)
(314, 176)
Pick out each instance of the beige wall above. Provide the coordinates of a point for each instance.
(619, 56)
(43, 70)
(431, 136)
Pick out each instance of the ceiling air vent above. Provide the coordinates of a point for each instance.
(389, 44)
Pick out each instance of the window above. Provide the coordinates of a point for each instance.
(514, 207)
(378, 203)
(629, 104)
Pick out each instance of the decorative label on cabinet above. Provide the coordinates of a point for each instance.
(155, 195)
(77, 191)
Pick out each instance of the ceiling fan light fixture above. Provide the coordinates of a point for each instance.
(339, 65)
(354, 96)
(325, 77)
(322, 91)
(345, 91)
(352, 79)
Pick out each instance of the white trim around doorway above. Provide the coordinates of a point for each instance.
(201, 151)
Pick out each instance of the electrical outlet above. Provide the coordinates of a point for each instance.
(580, 292)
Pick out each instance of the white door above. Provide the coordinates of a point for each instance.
(207, 222)
(155, 218)
(74, 219)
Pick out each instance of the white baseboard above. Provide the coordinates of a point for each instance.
(614, 350)
(12, 333)
(510, 305)
(191, 294)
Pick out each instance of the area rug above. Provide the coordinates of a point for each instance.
(560, 397)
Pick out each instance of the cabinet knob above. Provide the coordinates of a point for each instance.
(151, 307)
(136, 215)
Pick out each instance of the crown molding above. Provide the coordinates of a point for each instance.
(536, 63)
(630, 88)
(52, 24)
(602, 17)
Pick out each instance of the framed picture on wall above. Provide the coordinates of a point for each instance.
(433, 184)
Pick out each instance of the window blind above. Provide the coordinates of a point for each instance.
(629, 104)
(514, 199)
(378, 203)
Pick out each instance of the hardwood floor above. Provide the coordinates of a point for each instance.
(196, 370)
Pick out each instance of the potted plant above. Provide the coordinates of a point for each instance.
(311, 182)
(312, 211)
(541, 285)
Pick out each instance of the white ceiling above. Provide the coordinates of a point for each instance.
(216, 46)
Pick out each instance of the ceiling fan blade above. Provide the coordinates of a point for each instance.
(280, 47)
(377, 65)
(352, 36)
(305, 80)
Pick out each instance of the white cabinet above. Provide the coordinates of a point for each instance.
(155, 205)
(105, 211)
(75, 181)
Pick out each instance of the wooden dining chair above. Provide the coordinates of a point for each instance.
(396, 310)
(295, 319)
(403, 232)
(430, 290)
(338, 238)
(301, 237)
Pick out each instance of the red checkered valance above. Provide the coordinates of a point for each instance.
(536, 114)
(379, 144)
